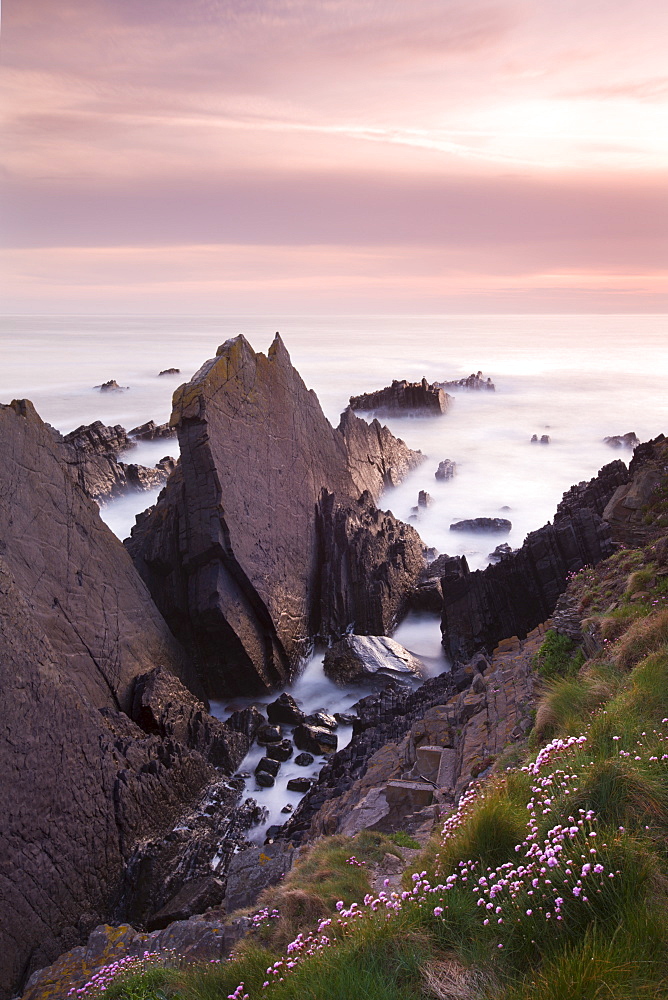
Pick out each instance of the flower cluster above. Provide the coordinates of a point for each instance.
(261, 917)
(104, 977)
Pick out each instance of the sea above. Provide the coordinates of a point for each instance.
(574, 378)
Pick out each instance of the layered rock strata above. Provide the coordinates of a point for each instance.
(81, 784)
(261, 539)
(92, 451)
(404, 398)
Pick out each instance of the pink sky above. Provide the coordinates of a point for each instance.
(324, 156)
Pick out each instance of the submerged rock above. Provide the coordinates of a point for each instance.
(494, 524)
(629, 440)
(261, 540)
(475, 381)
(404, 398)
(315, 739)
(285, 709)
(360, 659)
(446, 469)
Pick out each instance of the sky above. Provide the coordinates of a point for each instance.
(334, 156)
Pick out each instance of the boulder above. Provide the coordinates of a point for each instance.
(280, 751)
(161, 705)
(629, 440)
(446, 469)
(363, 659)
(250, 549)
(345, 718)
(424, 499)
(304, 759)
(404, 398)
(285, 709)
(269, 765)
(315, 739)
(150, 431)
(321, 719)
(264, 779)
(300, 784)
(267, 733)
(246, 720)
(478, 524)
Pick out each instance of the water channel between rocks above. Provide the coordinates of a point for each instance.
(419, 633)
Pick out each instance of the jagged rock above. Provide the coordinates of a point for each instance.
(345, 718)
(150, 431)
(376, 458)
(363, 659)
(404, 398)
(495, 524)
(595, 493)
(475, 381)
(321, 719)
(446, 469)
(424, 499)
(91, 452)
(280, 751)
(240, 551)
(269, 765)
(367, 559)
(515, 595)
(170, 371)
(630, 440)
(99, 439)
(304, 759)
(195, 896)
(161, 705)
(111, 386)
(285, 709)
(315, 739)
(246, 720)
(501, 551)
(624, 510)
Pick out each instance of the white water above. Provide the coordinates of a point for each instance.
(576, 378)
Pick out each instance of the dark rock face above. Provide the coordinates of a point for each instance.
(494, 524)
(595, 493)
(280, 751)
(544, 439)
(629, 440)
(77, 626)
(254, 870)
(233, 551)
(161, 705)
(376, 458)
(404, 398)
(364, 659)
(321, 719)
(92, 452)
(624, 510)
(475, 381)
(315, 739)
(447, 469)
(304, 759)
(501, 551)
(150, 431)
(170, 371)
(269, 765)
(516, 594)
(285, 709)
(111, 386)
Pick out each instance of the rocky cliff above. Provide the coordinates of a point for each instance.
(81, 784)
(232, 552)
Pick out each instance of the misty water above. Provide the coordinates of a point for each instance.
(576, 378)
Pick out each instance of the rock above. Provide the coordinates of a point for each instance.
(493, 524)
(269, 765)
(446, 469)
(111, 386)
(268, 734)
(376, 458)
(424, 500)
(287, 808)
(300, 784)
(170, 371)
(246, 720)
(280, 751)
(150, 431)
(91, 452)
(629, 440)
(521, 591)
(404, 399)
(260, 540)
(304, 759)
(195, 897)
(285, 709)
(624, 510)
(593, 494)
(264, 779)
(254, 870)
(360, 659)
(501, 552)
(315, 740)
(272, 832)
(544, 439)
(475, 381)
(345, 718)
(161, 705)
(321, 719)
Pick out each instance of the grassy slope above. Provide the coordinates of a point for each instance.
(551, 880)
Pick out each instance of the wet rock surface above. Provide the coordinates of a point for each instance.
(404, 398)
(315, 739)
(233, 550)
(363, 659)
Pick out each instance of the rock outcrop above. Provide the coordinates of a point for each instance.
(628, 440)
(478, 524)
(370, 659)
(404, 398)
(376, 458)
(446, 469)
(475, 381)
(81, 784)
(260, 540)
(513, 596)
(626, 508)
